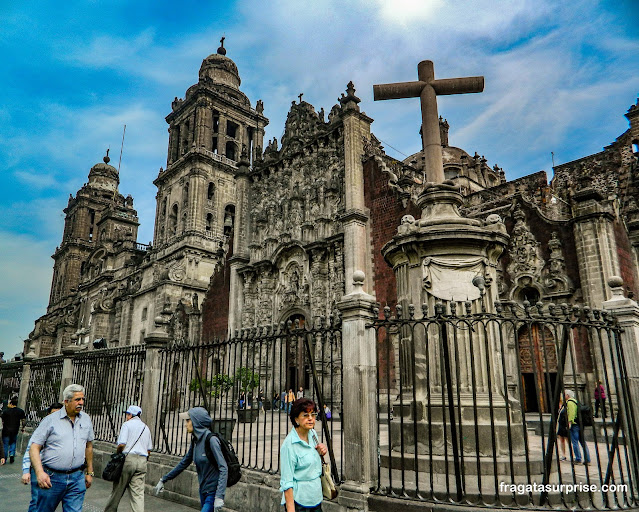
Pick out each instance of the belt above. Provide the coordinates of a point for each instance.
(64, 471)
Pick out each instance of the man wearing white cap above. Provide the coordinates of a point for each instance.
(135, 441)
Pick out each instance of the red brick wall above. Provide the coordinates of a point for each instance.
(626, 258)
(215, 306)
(386, 211)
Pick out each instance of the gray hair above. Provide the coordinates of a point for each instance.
(570, 393)
(70, 390)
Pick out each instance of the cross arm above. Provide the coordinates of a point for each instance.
(465, 85)
(398, 90)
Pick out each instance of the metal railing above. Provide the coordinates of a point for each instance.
(44, 388)
(10, 377)
(113, 380)
(469, 401)
(242, 382)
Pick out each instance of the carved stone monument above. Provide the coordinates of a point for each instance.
(449, 261)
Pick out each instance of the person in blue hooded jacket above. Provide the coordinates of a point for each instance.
(212, 479)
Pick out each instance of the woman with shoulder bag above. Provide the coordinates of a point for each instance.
(301, 462)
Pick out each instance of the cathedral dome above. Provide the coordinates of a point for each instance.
(218, 68)
(104, 176)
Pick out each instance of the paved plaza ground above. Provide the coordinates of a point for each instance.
(15, 496)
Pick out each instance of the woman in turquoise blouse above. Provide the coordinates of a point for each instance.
(301, 465)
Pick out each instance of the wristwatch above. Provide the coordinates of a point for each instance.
(90, 473)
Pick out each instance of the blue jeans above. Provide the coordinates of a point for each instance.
(576, 438)
(207, 501)
(34, 492)
(68, 489)
(9, 442)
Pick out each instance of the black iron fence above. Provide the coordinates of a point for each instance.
(44, 388)
(469, 407)
(245, 383)
(10, 377)
(112, 379)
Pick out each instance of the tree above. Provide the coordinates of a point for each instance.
(218, 386)
(247, 379)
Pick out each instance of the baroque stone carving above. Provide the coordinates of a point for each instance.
(524, 249)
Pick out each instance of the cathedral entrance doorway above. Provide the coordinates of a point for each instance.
(538, 361)
(297, 374)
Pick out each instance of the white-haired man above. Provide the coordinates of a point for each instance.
(135, 441)
(61, 448)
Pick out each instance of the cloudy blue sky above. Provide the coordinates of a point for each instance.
(558, 78)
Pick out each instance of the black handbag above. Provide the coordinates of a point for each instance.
(113, 470)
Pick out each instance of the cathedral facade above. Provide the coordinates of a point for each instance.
(250, 233)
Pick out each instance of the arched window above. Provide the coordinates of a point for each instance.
(210, 194)
(185, 193)
(184, 217)
(163, 209)
(530, 294)
(229, 219)
(173, 218)
(209, 221)
(230, 150)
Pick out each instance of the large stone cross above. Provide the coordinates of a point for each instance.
(427, 89)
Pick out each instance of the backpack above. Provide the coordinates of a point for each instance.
(584, 415)
(235, 470)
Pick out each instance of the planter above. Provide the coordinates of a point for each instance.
(223, 426)
(247, 415)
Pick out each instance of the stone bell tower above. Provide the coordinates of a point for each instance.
(81, 223)
(210, 131)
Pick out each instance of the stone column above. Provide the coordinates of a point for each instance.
(240, 243)
(67, 367)
(25, 381)
(626, 312)
(596, 245)
(359, 415)
(221, 135)
(355, 219)
(154, 342)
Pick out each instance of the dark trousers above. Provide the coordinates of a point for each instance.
(302, 508)
(600, 402)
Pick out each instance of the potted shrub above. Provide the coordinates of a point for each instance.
(217, 388)
(247, 381)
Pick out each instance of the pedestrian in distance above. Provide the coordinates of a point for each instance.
(290, 399)
(212, 479)
(135, 441)
(300, 393)
(301, 463)
(562, 429)
(13, 419)
(284, 401)
(576, 433)
(276, 399)
(27, 477)
(327, 412)
(600, 400)
(61, 448)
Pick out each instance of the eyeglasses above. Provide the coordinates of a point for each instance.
(307, 415)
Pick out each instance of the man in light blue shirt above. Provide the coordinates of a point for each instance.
(59, 448)
(26, 465)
